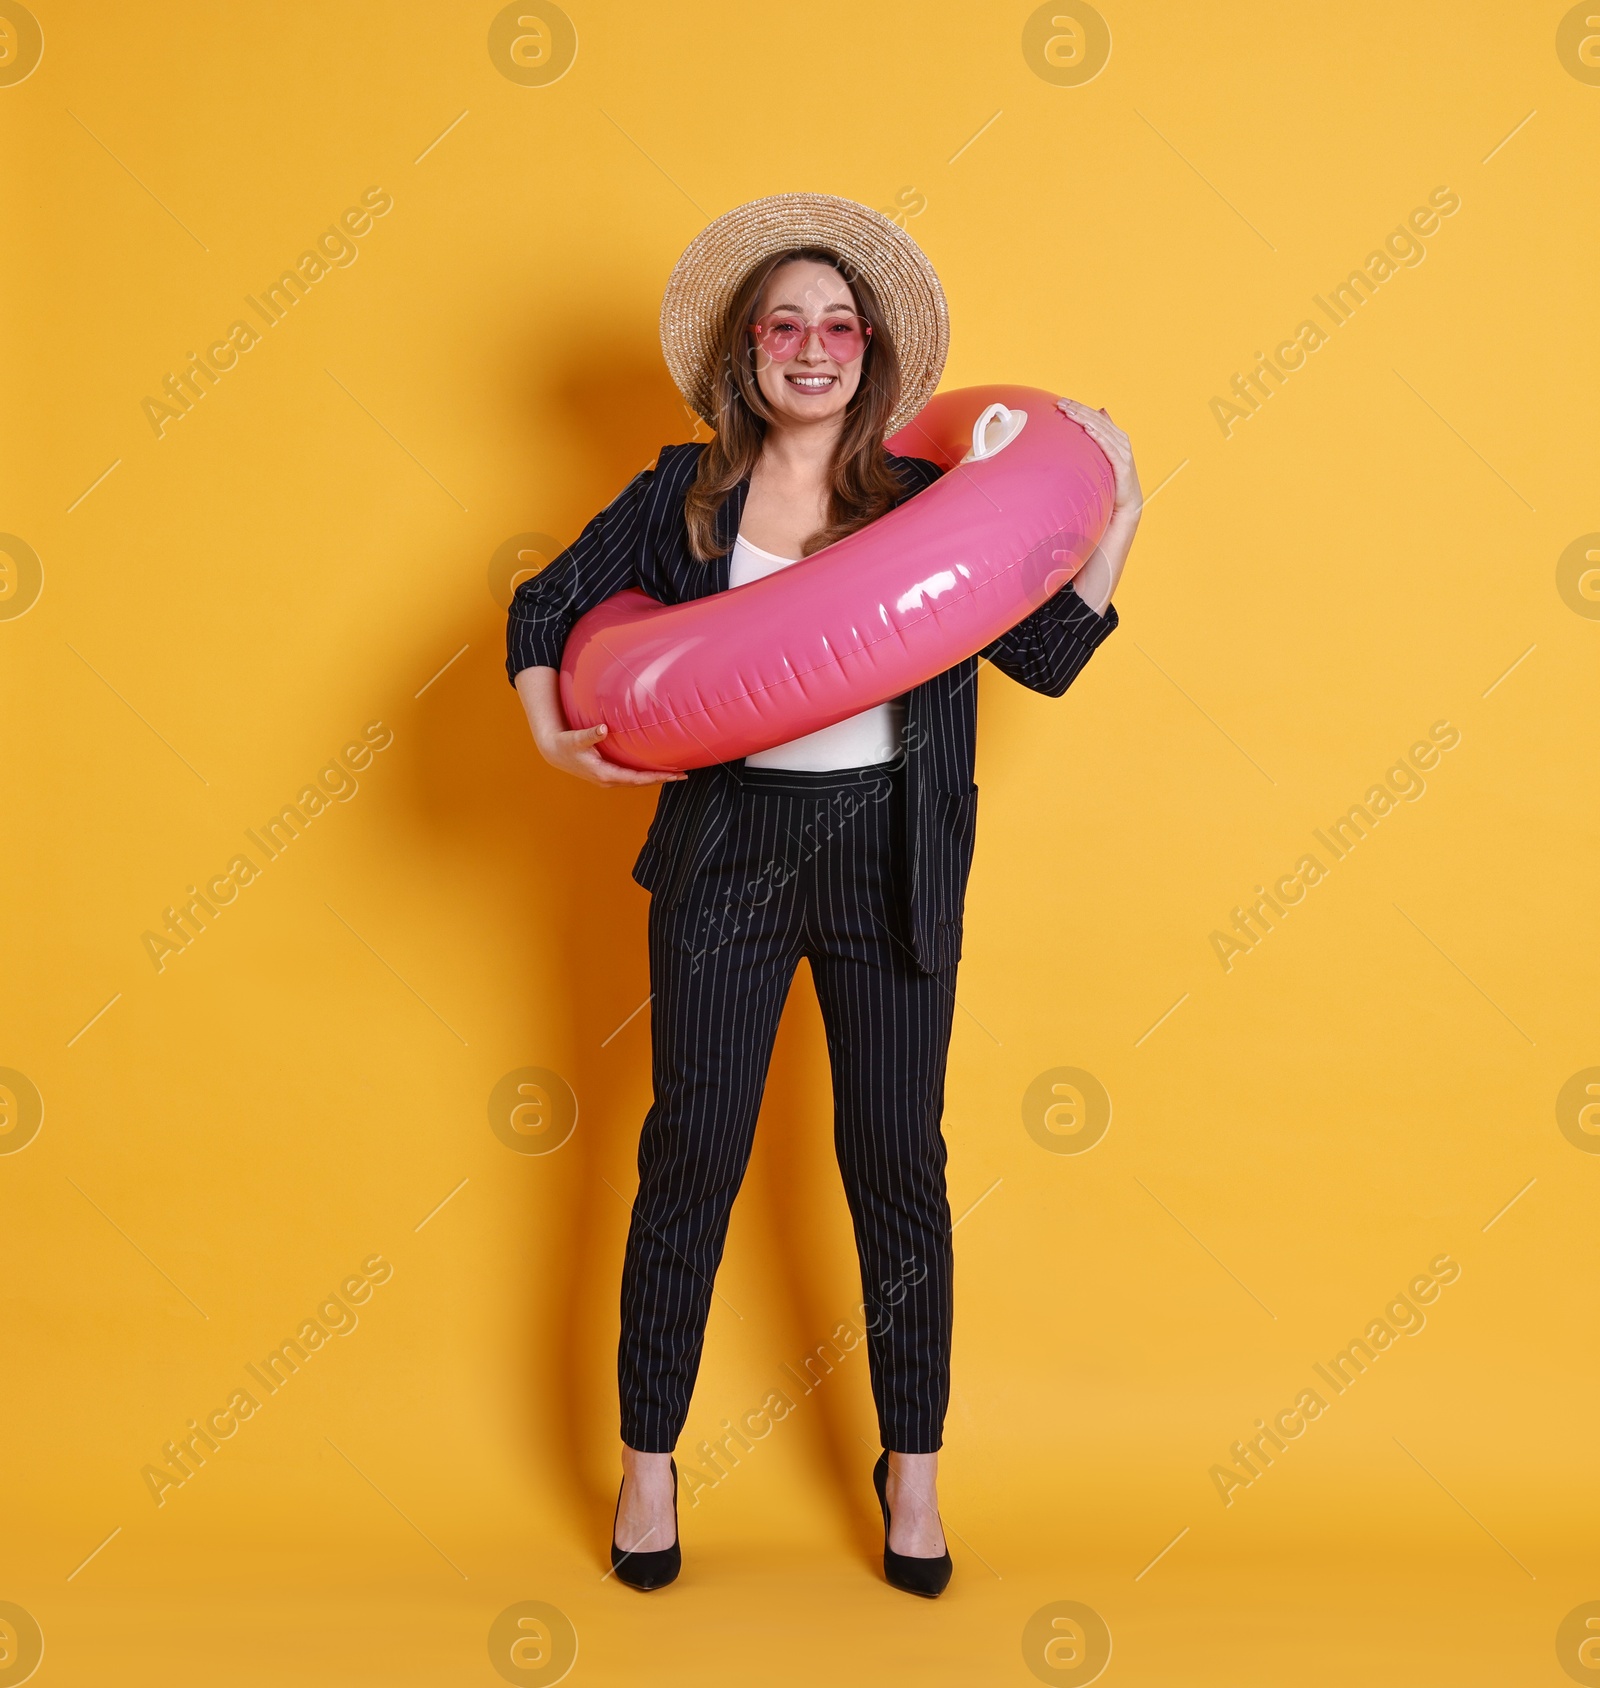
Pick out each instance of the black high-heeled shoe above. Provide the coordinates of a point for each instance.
(648, 1570)
(913, 1573)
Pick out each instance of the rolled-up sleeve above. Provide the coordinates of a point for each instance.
(604, 559)
(1046, 651)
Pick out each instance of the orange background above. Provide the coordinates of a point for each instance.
(319, 544)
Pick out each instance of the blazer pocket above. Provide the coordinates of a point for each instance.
(677, 808)
(955, 818)
(957, 812)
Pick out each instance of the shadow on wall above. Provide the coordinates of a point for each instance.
(556, 856)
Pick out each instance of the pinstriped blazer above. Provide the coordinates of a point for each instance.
(641, 540)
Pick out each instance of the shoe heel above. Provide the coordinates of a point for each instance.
(648, 1571)
(909, 1572)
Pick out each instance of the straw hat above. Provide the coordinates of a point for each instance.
(718, 259)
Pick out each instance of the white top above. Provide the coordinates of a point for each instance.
(859, 741)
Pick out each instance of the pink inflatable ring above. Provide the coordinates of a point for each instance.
(679, 686)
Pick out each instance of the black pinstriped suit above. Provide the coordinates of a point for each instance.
(863, 873)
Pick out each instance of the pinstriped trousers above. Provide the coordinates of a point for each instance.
(808, 865)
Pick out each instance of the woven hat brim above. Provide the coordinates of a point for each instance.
(716, 262)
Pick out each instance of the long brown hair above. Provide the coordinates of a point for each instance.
(861, 486)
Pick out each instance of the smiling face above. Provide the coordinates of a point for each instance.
(811, 386)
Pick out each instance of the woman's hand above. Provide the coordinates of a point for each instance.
(577, 752)
(574, 751)
(1097, 579)
(1129, 499)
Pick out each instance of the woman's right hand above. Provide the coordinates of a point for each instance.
(577, 752)
(574, 751)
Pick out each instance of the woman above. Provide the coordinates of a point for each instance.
(805, 329)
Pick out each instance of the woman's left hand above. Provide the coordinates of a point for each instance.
(1129, 499)
(1097, 579)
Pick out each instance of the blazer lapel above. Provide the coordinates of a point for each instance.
(728, 519)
